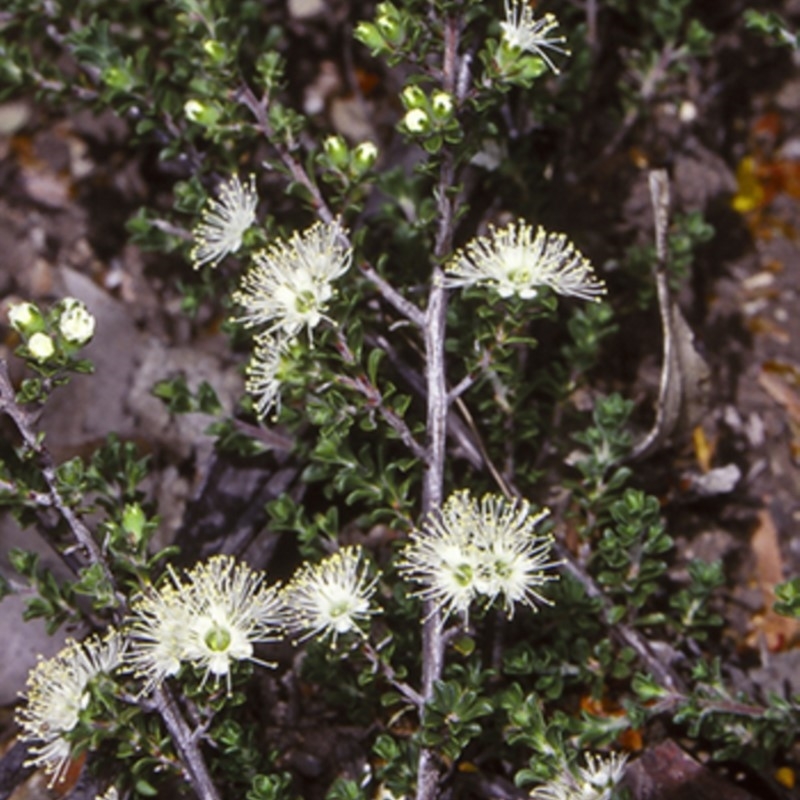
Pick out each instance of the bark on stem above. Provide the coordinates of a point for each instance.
(436, 379)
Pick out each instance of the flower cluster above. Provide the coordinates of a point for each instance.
(596, 781)
(287, 290)
(210, 620)
(224, 222)
(330, 598)
(57, 693)
(487, 550)
(55, 335)
(514, 261)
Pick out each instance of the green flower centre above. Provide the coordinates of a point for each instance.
(218, 639)
(502, 569)
(306, 302)
(339, 609)
(463, 574)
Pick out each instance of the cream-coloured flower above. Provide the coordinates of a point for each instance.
(470, 551)
(159, 634)
(513, 261)
(41, 346)
(75, 322)
(514, 558)
(291, 283)
(210, 620)
(57, 692)
(224, 222)
(443, 558)
(230, 611)
(263, 372)
(330, 598)
(522, 32)
(596, 781)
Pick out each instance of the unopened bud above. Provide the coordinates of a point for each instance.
(336, 149)
(364, 155)
(76, 323)
(25, 318)
(416, 121)
(413, 97)
(41, 346)
(442, 105)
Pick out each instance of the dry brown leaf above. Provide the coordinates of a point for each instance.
(781, 392)
(777, 631)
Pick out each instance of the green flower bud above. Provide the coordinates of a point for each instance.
(201, 113)
(390, 24)
(336, 150)
(364, 156)
(133, 520)
(413, 97)
(442, 105)
(214, 50)
(369, 35)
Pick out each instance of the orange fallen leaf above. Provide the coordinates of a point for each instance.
(785, 777)
(703, 448)
(777, 631)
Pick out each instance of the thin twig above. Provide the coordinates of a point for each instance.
(23, 422)
(185, 743)
(393, 297)
(465, 436)
(410, 694)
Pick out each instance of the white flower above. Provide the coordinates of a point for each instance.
(224, 222)
(57, 692)
(159, 634)
(291, 283)
(231, 611)
(522, 32)
(41, 346)
(330, 598)
(513, 557)
(596, 781)
(514, 262)
(75, 322)
(468, 551)
(442, 556)
(263, 372)
(210, 620)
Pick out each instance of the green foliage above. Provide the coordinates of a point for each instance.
(787, 598)
(213, 89)
(694, 603)
(628, 559)
(773, 26)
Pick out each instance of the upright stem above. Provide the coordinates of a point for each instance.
(186, 744)
(438, 403)
(432, 640)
